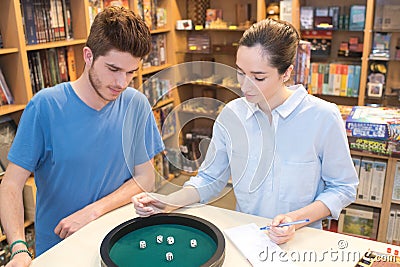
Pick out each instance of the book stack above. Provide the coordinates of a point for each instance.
(334, 79)
(46, 21)
(393, 231)
(158, 54)
(371, 174)
(49, 67)
(381, 46)
(302, 64)
(375, 130)
(154, 16)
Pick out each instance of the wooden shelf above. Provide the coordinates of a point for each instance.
(368, 203)
(8, 109)
(165, 137)
(368, 154)
(159, 31)
(55, 44)
(162, 103)
(5, 51)
(154, 69)
(396, 202)
(26, 224)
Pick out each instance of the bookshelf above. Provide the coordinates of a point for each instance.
(14, 56)
(338, 36)
(390, 97)
(385, 206)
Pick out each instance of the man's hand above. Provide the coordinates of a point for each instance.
(281, 235)
(75, 221)
(20, 260)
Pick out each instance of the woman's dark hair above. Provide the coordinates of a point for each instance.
(119, 28)
(278, 39)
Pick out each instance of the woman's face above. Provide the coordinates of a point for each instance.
(258, 80)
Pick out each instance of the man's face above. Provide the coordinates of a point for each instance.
(109, 75)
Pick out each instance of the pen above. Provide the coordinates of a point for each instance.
(285, 224)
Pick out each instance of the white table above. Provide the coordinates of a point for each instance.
(83, 247)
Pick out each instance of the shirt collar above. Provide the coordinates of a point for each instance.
(285, 109)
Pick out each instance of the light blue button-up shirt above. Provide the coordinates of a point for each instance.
(300, 157)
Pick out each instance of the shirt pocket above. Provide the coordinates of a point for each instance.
(298, 181)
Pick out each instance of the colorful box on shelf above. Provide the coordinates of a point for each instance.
(376, 123)
(375, 146)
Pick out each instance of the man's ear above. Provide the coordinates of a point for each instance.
(87, 56)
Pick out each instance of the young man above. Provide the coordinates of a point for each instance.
(89, 142)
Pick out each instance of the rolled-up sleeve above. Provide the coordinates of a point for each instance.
(337, 170)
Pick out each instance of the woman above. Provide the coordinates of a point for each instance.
(294, 163)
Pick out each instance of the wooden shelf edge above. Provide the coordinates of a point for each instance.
(153, 69)
(368, 154)
(163, 30)
(165, 137)
(368, 203)
(26, 224)
(162, 103)
(8, 109)
(396, 202)
(4, 51)
(55, 44)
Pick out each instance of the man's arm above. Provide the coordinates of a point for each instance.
(12, 210)
(143, 181)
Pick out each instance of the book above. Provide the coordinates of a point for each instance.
(29, 22)
(67, 16)
(343, 80)
(306, 17)
(391, 18)
(377, 181)
(357, 17)
(8, 130)
(357, 75)
(360, 221)
(396, 233)
(390, 227)
(396, 183)
(72, 73)
(357, 164)
(5, 89)
(364, 187)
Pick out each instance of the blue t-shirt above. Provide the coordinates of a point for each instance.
(79, 155)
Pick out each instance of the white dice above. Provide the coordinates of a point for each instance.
(170, 240)
(160, 239)
(142, 244)
(169, 256)
(193, 243)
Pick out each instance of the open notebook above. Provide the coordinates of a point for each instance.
(256, 246)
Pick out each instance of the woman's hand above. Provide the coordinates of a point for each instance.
(147, 204)
(281, 235)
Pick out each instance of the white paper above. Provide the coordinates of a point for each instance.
(256, 246)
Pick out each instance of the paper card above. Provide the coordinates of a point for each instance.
(256, 246)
